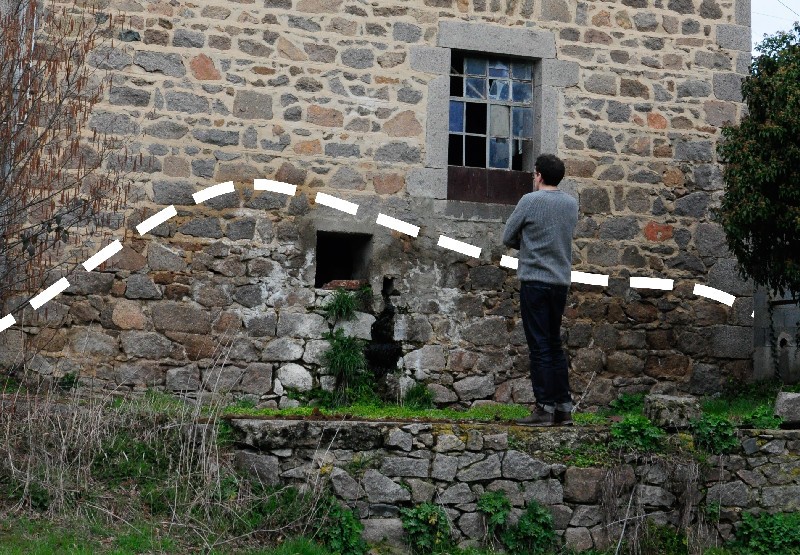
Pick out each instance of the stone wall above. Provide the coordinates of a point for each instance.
(378, 468)
(338, 96)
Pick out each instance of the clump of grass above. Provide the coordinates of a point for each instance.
(341, 305)
(346, 362)
(419, 397)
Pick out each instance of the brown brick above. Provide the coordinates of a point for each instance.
(326, 117)
(595, 36)
(197, 346)
(128, 315)
(658, 232)
(156, 36)
(579, 168)
(290, 174)
(203, 68)
(404, 124)
(388, 183)
(656, 121)
(308, 147)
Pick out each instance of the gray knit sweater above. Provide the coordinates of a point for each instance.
(541, 227)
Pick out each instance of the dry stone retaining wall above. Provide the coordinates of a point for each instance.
(378, 468)
(336, 96)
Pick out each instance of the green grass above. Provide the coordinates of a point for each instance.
(36, 537)
(484, 413)
(23, 536)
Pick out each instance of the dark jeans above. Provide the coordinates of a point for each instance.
(542, 307)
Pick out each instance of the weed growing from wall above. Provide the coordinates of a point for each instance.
(427, 528)
(714, 434)
(346, 362)
(636, 433)
(340, 529)
(533, 534)
(341, 305)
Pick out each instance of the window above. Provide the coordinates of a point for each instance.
(342, 256)
(490, 136)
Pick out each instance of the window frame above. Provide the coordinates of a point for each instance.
(550, 76)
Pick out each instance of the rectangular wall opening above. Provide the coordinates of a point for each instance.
(342, 256)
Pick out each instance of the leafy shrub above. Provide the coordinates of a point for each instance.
(769, 534)
(340, 530)
(714, 434)
(763, 417)
(427, 527)
(496, 506)
(419, 397)
(534, 533)
(637, 433)
(628, 403)
(341, 305)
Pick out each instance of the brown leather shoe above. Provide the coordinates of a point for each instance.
(538, 417)
(562, 418)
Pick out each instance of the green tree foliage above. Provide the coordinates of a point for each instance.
(760, 210)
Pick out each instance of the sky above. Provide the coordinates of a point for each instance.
(771, 16)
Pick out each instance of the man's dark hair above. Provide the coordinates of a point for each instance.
(551, 168)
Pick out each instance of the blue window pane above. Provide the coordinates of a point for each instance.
(498, 69)
(521, 70)
(476, 66)
(521, 91)
(476, 87)
(498, 153)
(456, 116)
(498, 89)
(522, 122)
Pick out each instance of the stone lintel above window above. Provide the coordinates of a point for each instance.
(550, 76)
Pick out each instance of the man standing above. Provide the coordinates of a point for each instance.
(541, 227)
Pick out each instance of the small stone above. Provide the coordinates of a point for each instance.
(666, 411)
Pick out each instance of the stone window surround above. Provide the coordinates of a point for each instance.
(550, 76)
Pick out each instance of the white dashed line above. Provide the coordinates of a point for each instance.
(350, 208)
(274, 186)
(714, 294)
(652, 283)
(589, 279)
(156, 219)
(337, 203)
(6, 322)
(509, 262)
(102, 255)
(213, 191)
(49, 293)
(397, 225)
(459, 246)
